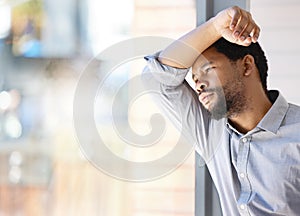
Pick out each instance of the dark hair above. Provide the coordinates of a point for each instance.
(235, 52)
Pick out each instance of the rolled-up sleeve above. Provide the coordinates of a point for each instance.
(165, 74)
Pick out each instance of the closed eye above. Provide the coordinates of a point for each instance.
(209, 69)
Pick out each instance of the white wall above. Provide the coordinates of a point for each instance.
(280, 38)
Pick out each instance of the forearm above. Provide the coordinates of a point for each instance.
(234, 24)
(183, 52)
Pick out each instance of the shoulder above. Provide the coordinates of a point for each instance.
(288, 113)
(293, 114)
(294, 107)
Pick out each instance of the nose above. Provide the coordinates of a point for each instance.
(200, 86)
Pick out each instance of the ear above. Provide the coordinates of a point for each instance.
(249, 65)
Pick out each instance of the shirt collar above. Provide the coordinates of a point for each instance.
(231, 129)
(274, 117)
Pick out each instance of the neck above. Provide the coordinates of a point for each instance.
(258, 105)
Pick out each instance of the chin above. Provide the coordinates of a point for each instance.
(218, 112)
(210, 107)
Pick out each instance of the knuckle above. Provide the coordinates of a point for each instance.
(258, 29)
(249, 15)
(235, 7)
(236, 10)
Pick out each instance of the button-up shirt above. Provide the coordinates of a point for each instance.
(257, 173)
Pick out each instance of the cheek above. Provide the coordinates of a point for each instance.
(227, 76)
(215, 80)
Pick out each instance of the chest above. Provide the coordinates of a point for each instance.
(260, 171)
(266, 159)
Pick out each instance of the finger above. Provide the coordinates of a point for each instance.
(235, 14)
(242, 24)
(255, 34)
(248, 28)
(246, 42)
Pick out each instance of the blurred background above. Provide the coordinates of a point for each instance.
(44, 47)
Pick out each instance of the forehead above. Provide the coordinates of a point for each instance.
(210, 56)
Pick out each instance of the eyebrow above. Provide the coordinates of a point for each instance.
(202, 67)
(206, 64)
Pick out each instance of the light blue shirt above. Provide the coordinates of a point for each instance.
(257, 173)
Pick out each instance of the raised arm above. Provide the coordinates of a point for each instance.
(234, 24)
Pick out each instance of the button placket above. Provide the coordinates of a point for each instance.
(243, 209)
(242, 161)
(243, 206)
(242, 175)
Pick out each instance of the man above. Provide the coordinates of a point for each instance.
(248, 136)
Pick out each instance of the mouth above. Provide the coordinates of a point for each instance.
(205, 98)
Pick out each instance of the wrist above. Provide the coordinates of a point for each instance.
(216, 25)
(214, 28)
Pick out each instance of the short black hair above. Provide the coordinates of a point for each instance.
(235, 52)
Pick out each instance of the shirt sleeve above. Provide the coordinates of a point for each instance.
(165, 74)
(178, 101)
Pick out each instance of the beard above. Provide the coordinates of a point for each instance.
(230, 100)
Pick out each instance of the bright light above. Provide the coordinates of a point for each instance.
(15, 174)
(5, 20)
(15, 158)
(5, 100)
(109, 22)
(13, 127)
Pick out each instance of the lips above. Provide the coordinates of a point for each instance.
(205, 97)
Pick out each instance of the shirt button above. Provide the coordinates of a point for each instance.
(244, 140)
(242, 175)
(242, 206)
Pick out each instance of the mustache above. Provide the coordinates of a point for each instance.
(217, 90)
(208, 90)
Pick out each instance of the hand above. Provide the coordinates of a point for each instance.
(237, 26)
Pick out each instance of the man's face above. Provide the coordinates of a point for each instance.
(219, 84)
